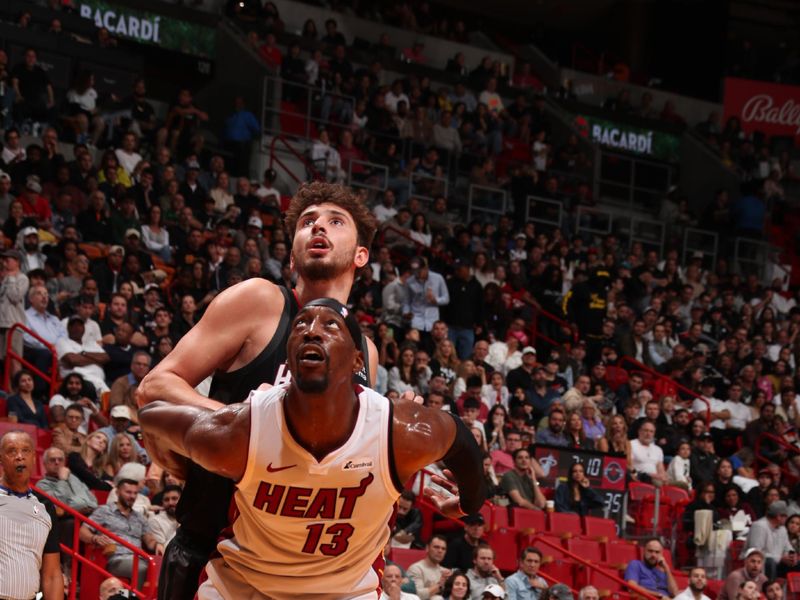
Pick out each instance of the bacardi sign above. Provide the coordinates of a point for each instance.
(771, 108)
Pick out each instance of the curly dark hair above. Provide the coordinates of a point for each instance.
(319, 192)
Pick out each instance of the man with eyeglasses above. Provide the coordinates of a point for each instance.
(502, 460)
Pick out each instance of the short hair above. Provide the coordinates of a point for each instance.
(530, 550)
(170, 488)
(584, 589)
(319, 192)
(74, 406)
(122, 482)
(437, 536)
(472, 403)
(767, 584)
(653, 539)
(408, 495)
(50, 450)
(482, 546)
(518, 450)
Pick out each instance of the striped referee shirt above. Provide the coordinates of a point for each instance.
(26, 533)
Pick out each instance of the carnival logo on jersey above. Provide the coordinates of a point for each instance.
(358, 464)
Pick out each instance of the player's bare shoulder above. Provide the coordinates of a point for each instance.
(251, 296)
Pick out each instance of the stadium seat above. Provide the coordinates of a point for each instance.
(585, 548)
(504, 542)
(714, 586)
(101, 495)
(3, 410)
(616, 377)
(92, 578)
(525, 518)
(640, 491)
(675, 494)
(620, 552)
(607, 581)
(495, 516)
(599, 528)
(564, 524)
(405, 557)
(682, 579)
(550, 545)
(560, 569)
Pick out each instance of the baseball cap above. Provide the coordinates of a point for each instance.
(117, 250)
(152, 286)
(134, 232)
(473, 519)
(193, 165)
(255, 222)
(560, 591)
(12, 253)
(777, 508)
(528, 350)
(751, 551)
(705, 436)
(121, 412)
(132, 470)
(495, 591)
(4, 175)
(29, 230)
(33, 184)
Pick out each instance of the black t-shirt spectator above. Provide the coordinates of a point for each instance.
(32, 83)
(459, 554)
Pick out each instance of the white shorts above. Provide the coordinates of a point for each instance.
(224, 583)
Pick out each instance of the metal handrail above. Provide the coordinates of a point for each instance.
(781, 442)
(152, 572)
(662, 377)
(589, 564)
(11, 355)
(274, 159)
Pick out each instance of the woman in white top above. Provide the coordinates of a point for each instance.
(155, 236)
(220, 194)
(82, 113)
(420, 232)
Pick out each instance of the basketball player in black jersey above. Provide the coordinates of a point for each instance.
(241, 340)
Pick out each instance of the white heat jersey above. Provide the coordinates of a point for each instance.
(309, 528)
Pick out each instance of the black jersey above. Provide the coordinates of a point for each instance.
(203, 508)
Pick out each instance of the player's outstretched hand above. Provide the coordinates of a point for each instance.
(448, 504)
(408, 396)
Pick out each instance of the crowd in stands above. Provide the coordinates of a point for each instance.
(111, 255)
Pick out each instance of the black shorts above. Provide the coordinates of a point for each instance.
(184, 560)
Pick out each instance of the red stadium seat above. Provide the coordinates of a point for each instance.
(552, 546)
(615, 377)
(525, 518)
(599, 528)
(101, 495)
(620, 552)
(603, 580)
(3, 410)
(682, 579)
(495, 516)
(560, 569)
(714, 586)
(564, 524)
(640, 491)
(405, 557)
(504, 543)
(675, 494)
(585, 548)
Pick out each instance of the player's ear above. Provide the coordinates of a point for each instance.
(362, 256)
(358, 362)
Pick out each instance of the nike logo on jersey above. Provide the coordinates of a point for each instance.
(272, 469)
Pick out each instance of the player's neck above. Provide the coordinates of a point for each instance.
(315, 420)
(338, 289)
(18, 485)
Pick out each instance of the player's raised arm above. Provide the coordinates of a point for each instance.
(210, 345)
(423, 436)
(216, 440)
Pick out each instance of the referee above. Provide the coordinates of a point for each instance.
(29, 551)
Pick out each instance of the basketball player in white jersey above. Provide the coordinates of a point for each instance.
(319, 463)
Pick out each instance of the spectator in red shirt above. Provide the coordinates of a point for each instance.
(34, 204)
(270, 53)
